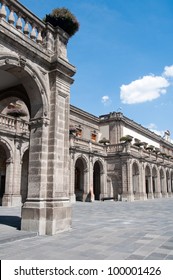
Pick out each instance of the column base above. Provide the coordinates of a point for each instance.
(157, 195)
(150, 196)
(11, 200)
(127, 197)
(164, 194)
(140, 196)
(47, 217)
(72, 198)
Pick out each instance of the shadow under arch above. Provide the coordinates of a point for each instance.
(80, 178)
(147, 180)
(12, 221)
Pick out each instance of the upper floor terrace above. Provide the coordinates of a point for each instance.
(11, 125)
(22, 27)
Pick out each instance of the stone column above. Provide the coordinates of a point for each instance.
(164, 185)
(72, 178)
(7, 197)
(16, 195)
(91, 176)
(127, 186)
(103, 183)
(34, 209)
(150, 193)
(158, 186)
(58, 207)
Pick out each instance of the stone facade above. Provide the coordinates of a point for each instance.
(53, 154)
(124, 161)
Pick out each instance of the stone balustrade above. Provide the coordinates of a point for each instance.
(115, 148)
(87, 145)
(26, 23)
(151, 155)
(14, 125)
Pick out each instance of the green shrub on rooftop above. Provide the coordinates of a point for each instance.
(63, 18)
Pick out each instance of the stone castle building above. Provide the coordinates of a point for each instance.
(51, 153)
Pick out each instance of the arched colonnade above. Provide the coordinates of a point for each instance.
(151, 180)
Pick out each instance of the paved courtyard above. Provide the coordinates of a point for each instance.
(101, 230)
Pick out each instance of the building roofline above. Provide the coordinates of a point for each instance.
(85, 114)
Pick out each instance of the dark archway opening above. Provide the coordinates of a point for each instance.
(79, 179)
(96, 181)
(24, 176)
(3, 159)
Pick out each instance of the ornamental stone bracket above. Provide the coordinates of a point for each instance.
(39, 122)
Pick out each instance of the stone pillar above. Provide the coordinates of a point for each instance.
(34, 214)
(127, 186)
(72, 196)
(103, 183)
(164, 185)
(141, 194)
(158, 186)
(169, 186)
(86, 189)
(7, 197)
(58, 205)
(150, 193)
(12, 196)
(16, 197)
(91, 174)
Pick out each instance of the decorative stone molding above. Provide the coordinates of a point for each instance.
(39, 122)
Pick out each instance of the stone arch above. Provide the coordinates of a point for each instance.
(22, 72)
(6, 145)
(80, 180)
(19, 76)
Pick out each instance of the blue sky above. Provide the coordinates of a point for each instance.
(123, 53)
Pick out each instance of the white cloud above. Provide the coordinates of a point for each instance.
(106, 100)
(144, 89)
(168, 71)
(154, 129)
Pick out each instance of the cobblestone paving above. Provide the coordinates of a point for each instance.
(101, 230)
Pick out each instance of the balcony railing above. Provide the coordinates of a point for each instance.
(22, 22)
(87, 145)
(14, 125)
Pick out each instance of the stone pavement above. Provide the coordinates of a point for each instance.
(101, 230)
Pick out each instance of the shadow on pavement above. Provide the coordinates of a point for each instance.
(12, 221)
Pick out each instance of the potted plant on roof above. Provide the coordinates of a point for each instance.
(104, 141)
(150, 148)
(138, 142)
(126, 138)
(63, 18)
